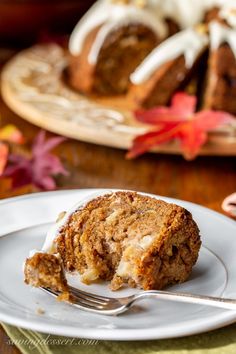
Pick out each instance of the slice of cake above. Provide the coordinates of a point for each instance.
(108, 44)
(220, 90)
(123, 237)
(166, 68)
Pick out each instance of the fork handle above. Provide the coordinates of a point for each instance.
(229, 304)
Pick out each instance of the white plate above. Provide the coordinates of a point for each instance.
(24, 222)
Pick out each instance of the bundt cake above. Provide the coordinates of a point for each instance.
(122, 237)
(108, 44)
(149, 49)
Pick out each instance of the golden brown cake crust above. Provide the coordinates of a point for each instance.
(130, 238)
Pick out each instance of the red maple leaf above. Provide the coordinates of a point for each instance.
(179, 121)
(40, 168)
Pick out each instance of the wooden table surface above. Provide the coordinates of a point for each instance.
(206, 181)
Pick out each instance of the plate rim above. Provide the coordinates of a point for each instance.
(204, 324)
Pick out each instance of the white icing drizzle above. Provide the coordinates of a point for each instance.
(228, 12)
(188, 42)
(220, 34)
(189, 13)
(88, 22)
(48, 246)
(55, 229)
(109, 16)
(186, 13)
(111, 25)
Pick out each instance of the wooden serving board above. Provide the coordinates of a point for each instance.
(33, 87)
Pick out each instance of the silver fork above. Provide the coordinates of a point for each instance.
(114, 306)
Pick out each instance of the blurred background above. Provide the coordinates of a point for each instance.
(22, 22)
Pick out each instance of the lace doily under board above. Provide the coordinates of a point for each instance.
(34, 87)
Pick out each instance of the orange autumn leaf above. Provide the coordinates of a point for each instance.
(11, 134)
(4, 150)
(177, 122)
